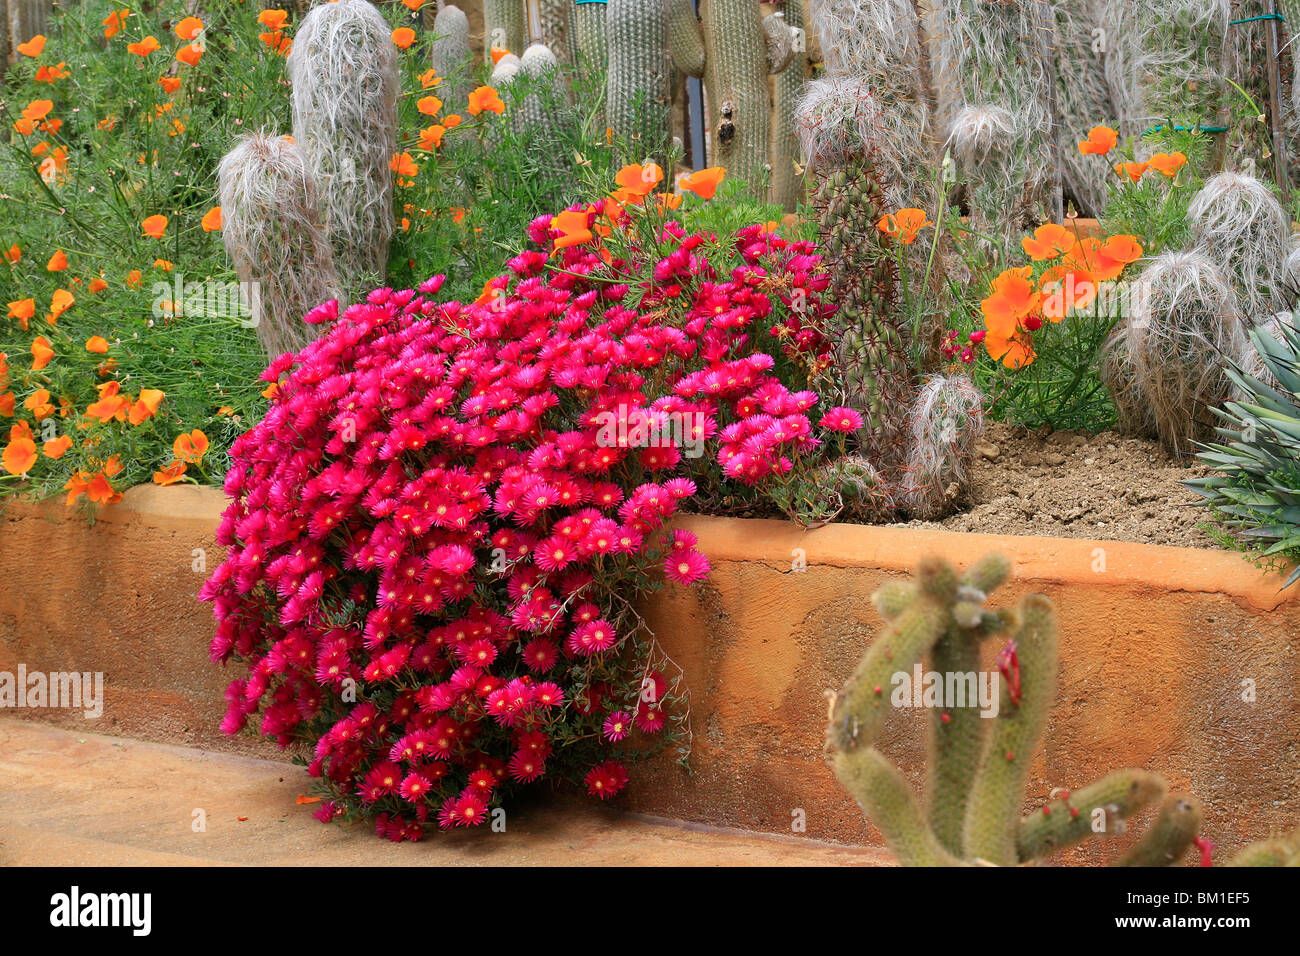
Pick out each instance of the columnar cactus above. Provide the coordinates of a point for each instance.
(272, 230)
(452, 58)
(554, 16)
(978, 766)
(1083, 99)
(1000, 56)
(344, 80)
(735, 66)
(1164, 61)
(503, 26)
(587, 40)
(637, 88)
(787, 179)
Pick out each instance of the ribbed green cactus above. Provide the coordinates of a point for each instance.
(783, 150)
(637, 90)
(685, 38)
(870, 345)
(979, 765)
(735, 75)
(503, 26)
(452, 59)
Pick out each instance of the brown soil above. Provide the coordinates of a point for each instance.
(1074, 485)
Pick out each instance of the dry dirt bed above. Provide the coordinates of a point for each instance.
(1072, 485)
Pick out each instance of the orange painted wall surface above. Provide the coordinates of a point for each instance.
(1154, 650)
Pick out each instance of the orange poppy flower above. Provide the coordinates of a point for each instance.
(114, 22)
(19, 456)
(457, 214)
(497, 52)
(38, 403)
(1015, 351)
(190, 54)
(22, 310)
(189, 28)
(144, 47)
(145, 405)
(164, 264)
(1114, 254)
(413, 5)
(485, 98)
(277, 41)
(58, 262)
(169, 84)
(7, 404)
(100, 491)
(60, 302)
(108, 406)
(48, 74)
(1066, 289)
(403, 37)
(190, 446)
(431, 137)
(429, 105)
(211, 221)
(98, 284)
(1167, 164)
(573, 228)
(429, 78)
(702, 182)
(404, 165)
(133, 278)
(1101, 140)
(32, 47)
(1012, 299)
(154, 227)
(1133, 171)
(12, 255)
(452, 121)
(273, 19)
(669, 200)
(1048, 242)
(904, 225)
(97, 344)
(55, 447)
(41, 353)
(171, 474)
(113, 466)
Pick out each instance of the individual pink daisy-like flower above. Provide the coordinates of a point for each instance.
(548, 694)
(471, 809)
(591, 638)
(686, 567)
(649, 719)
(617, 726)
(606, 780)
(414, 787)
(526, 767)
(841, 419)
(540, 655)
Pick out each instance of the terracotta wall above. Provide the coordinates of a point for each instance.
(1153, 654)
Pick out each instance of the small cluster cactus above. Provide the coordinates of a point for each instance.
(978, 766)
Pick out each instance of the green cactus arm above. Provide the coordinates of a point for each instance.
(503, 26)
(1168, 838)
(637, 88)
(889, 802)
(862, 706)
(893, 598)
(988, 573)
(1276, 851)
(956, 743)
(685, 37)
(736, 80)
(997, 792)
(1068, 820)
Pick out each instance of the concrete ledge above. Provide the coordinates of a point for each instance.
(1156, 645)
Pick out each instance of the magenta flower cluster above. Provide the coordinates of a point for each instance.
(432, 553)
